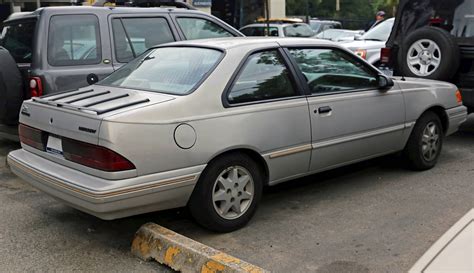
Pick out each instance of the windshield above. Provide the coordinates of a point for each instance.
(315, 25)
(171, 70)
(381, 32)
(298, 30)
(333, 34)
(17, 38)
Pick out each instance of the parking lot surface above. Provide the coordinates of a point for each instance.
(374, 216)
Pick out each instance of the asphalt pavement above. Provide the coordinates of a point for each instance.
(374, 216)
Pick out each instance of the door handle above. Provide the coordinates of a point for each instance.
(323, 110)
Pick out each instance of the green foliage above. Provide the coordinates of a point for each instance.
(350, 9)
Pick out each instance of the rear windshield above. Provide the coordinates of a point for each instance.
(380, 32)
(17, 38)
(298, 30)
(171, 70)
(260, 31)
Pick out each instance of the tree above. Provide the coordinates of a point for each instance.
(350, 9)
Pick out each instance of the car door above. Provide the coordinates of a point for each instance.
(133, 34)
(265, 95)
(351, 119)
(74, 51)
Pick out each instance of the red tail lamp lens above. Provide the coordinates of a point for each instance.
(32, 137)
(94, 156)
(36, 87)
(385, 55)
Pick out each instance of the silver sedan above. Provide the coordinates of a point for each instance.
(206, 124)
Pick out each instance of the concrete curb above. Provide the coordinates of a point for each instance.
(180, 253)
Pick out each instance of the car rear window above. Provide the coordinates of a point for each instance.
(17, 38)
(298, 30)
(171, 70)
(260, 31)
(133, 36)
(74, 40)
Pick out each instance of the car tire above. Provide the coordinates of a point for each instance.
(222, 187)
(430, 53)
(11, 89)
(425, 143)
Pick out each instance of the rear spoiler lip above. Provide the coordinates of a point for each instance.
(86, 109)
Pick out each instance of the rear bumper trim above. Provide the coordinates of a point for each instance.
(106, 199)
(456, 116)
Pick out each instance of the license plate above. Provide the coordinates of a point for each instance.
(54, 145)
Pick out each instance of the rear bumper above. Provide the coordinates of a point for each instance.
(108, 199)
(456, 116)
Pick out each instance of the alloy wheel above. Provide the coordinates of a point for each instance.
(233, 192)
(424, 57)
(430, 141)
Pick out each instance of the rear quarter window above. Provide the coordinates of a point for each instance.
(17, 38)
(74, 40)
(199, 28)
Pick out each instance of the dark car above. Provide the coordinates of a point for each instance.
(64, 48)
(434, 39)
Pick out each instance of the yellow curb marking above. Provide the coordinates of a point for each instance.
(170, 253)
(140, 244)
(224, 258)
(212, 267)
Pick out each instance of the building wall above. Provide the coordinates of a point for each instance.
(277, 8)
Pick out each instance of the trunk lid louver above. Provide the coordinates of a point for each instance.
(96, 101)
(78, 114)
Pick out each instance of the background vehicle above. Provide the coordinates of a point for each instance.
(321, 25)
(339, 35)
(369, 45)
(64, 48)
(434, 39)
(252, 112)
(278, 30)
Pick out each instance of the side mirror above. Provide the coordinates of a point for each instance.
(384, 82)
(357, 36)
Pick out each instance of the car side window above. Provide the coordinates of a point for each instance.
(332, 70)
(133, 36)
(198, 28)
(74, 40)
(264, 76)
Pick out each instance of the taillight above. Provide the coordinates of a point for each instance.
(36, 87)
(94, 156)
(361, 53)
(32, 137)
(437, 21)
(385, 55)
(458, 97)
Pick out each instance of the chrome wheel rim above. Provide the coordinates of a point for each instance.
(233, 192)
(424, 57)
(430, 141)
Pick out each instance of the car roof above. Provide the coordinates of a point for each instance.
(265, 24)
(325, 21)
(91, 9)
(236, 42)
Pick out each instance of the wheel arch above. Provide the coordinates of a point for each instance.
(250, 152)
(440, 111)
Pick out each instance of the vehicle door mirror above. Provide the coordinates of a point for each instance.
(384, 82)
(357, 36)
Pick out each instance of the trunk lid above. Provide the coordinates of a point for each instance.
(78, 114)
